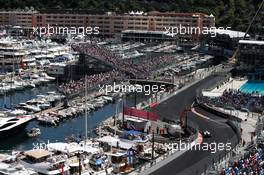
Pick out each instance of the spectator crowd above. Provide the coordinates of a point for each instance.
(252, 163)
(136, 68)
(92, 81)
(238, 100)
(142, 68)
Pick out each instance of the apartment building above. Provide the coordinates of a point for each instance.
(17, 18)
(109, 23)
(251, 54)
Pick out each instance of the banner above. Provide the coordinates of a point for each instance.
(140, 113)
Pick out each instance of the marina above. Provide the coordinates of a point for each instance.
(92, 88)
(71, 126)
(74, 125)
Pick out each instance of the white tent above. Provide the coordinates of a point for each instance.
(113, 141)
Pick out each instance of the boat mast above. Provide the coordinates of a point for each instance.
(116, 115)
(86, 127)
(12, 75)
(5, 98)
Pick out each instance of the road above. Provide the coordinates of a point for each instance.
(195, 161)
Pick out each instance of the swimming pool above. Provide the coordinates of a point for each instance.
(250, 87)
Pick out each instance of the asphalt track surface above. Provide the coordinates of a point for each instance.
(195, 161)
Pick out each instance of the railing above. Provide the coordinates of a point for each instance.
(162, 160)
(220, 160)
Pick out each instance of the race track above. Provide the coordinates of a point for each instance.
(195, 161)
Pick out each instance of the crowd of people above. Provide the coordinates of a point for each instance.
(251, 164)
(139, 68)
(142, 68)
(92, 81)
(147, 66)
(104, 55)
(238, 100)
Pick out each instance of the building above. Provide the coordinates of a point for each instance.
(144, 35)
(23, 19)
(251, 54)
(109, 23)
(224, 42)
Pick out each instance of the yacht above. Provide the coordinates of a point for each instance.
(35, 79)
(12, 125)
(43, 162)
(56, 69)
(45, 75)
(42, 104)
(99, 163)
(12, 53)
(4, 88)
(10, 169)
(17, 112)
(29, 108)
(120, 162)
(91, 106)
(72, 150)
(108, 98)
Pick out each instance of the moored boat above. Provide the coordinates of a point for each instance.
(34, 132)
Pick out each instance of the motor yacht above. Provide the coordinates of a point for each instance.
(47, 77)
(43, 162)
(34, 132)
(17, 112)
(30, 108)
(12, 125)
(14, 169)
(108, 98)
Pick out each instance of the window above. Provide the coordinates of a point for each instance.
(12, 120)
(7, 125)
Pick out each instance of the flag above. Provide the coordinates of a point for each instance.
(130, 156)
(22, 65)
(62, 170)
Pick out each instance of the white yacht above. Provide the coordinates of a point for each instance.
(12, 125)
(108, 98)
(36, 79)
(43, 162)
(29, 53)
(12, 53)
(29, 108)
(10, 169)
(45, 75)
(17, 112)
(56, 69)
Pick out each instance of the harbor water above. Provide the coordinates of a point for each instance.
(74, 126)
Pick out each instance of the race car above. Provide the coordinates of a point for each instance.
(206, 134)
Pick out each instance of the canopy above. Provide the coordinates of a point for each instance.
(132, 132)
(98, 162)
(37, 153)
(112, 141)
(64, 147)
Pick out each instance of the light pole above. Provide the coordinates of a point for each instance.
(79, 160)
(86, 127)
(116, 114)
(152, 153)
(123, 115)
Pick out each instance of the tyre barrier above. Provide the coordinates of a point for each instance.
(217, 112)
